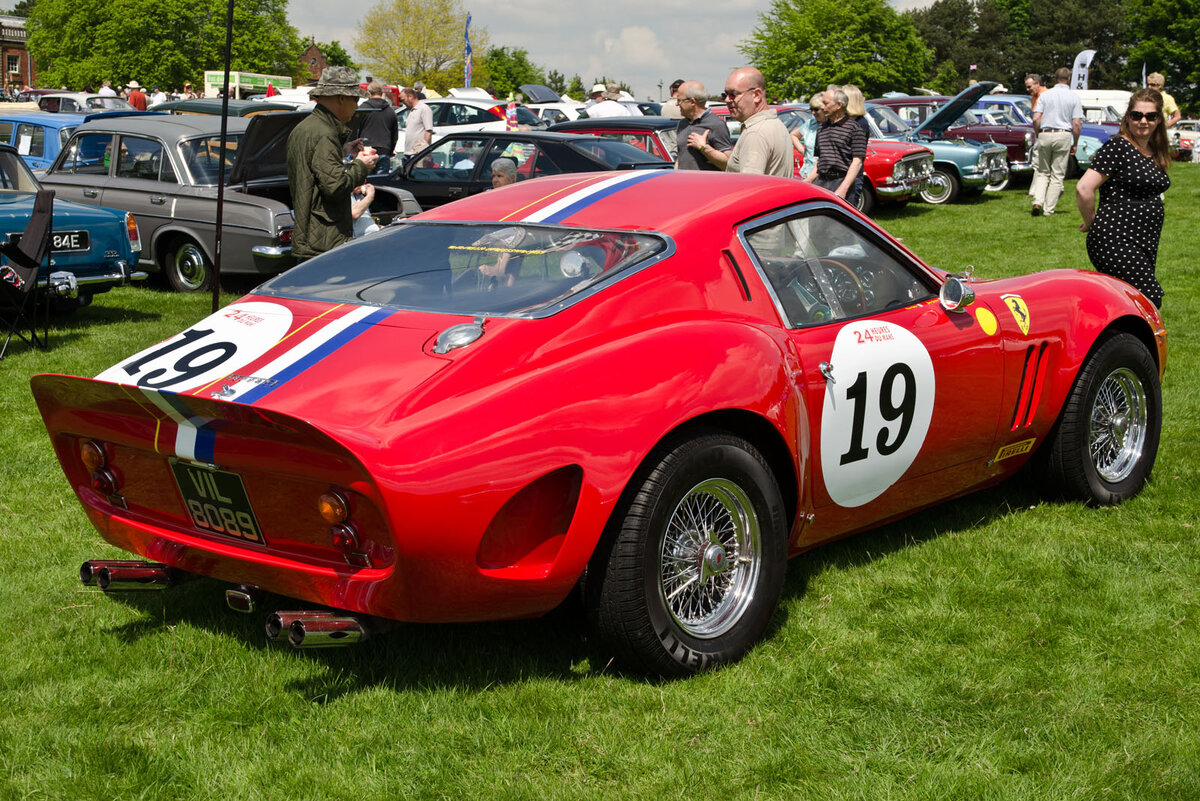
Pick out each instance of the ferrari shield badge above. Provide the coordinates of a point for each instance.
(1020, 312)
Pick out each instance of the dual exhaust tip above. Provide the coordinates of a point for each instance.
(303, 629)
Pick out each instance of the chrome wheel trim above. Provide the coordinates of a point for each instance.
(191, 266)
(710, 558)
(937, 188)
(1117, 426)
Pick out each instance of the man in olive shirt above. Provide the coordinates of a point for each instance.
(699, 130)
(765, 146)
(320, 178)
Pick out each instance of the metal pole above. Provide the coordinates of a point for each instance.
(216, 282)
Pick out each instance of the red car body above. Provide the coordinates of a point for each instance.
(482, 480)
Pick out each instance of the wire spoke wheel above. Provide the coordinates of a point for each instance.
(1117, 432)
(710, 559)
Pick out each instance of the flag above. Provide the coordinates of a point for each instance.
(1143, 74)
(468, 63)
(1079, 75)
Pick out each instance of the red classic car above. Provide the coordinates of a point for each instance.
(668, 381)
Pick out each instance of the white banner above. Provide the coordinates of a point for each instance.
(1079, 75)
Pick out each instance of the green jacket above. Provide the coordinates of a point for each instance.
(321, 183)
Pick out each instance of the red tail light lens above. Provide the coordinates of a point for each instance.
(285, 236)
(131, 230)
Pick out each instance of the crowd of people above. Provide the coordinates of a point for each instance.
(1129, 173)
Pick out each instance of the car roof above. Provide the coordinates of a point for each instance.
(167, 126)
(670, 201)
(467, 101)
(51, 119)
(213, 105)
(640, 123)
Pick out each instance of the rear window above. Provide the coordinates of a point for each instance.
(487, 269)
(203, 157)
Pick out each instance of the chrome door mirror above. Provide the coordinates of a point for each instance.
(956, 295)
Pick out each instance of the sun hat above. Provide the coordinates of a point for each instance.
(612, 91)
(133, 85)
(598, 88)
(338, 82)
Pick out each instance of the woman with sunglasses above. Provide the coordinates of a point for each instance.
(1130, 173)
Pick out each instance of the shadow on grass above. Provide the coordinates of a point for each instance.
(475, 656)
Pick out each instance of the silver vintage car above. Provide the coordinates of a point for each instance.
(164, 169)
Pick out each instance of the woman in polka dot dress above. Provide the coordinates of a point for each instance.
(1130, 172)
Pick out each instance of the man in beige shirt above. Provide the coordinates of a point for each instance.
(765, 146)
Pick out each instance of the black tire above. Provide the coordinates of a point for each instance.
(187, 266)
(662, 598)
(1073, 168)
(943, 187)
(866, 199)
(1103, 447)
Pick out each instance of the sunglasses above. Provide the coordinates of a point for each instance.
(1149, 116)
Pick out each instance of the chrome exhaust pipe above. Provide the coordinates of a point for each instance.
(243, 598)
(89, 571)
(279, 623)
(328, 631)
(131, 578)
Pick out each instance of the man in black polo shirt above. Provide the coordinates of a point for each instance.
(700, 132)
(840, 150)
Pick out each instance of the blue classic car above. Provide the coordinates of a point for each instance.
(959, 165)
(37, 135)
(92, 249)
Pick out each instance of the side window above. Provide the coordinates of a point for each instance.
(531, 160)
(641, 141)
(6, 129)
(823, 268)
(31, 140)
(139, 158)
(88, 154)
(469, 115)
(452, 160)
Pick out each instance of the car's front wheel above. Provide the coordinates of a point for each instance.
(1104, 444)
(187, 266)
(866, 200)
(942, 187)
(694, 567)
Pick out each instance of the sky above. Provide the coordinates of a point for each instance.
(640, 42)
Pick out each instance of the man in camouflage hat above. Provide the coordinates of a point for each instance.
(319, 177)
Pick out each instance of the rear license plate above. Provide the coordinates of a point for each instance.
(217, 502)
(69, 240)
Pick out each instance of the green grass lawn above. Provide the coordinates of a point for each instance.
(998, 647)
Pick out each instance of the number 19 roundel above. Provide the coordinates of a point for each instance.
(876, 412)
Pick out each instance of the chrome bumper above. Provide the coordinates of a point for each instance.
(271, 259)
(65, 284)
(909, 186)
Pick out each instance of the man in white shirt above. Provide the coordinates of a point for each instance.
(609, 107)
(418, 125)
(1057, 120)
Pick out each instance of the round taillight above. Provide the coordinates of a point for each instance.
(333, 507)
(344, 538)
(91, 453)
(104, 482)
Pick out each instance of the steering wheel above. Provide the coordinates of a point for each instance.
(847, 286)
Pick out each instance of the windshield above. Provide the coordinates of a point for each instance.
(14, 175)
(487, 269)
(202, 155)
(888, 121)
(614, 153)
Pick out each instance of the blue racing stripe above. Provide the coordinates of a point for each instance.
(293, 370)
(583, 203)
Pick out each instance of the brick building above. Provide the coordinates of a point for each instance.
(315, 60)
(18, 68)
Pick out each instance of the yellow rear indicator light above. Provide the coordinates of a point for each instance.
(91, 453)
(333, 508)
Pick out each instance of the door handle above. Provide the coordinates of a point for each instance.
(91, 193)
(158, 200)
(455, 191)
(827, 370)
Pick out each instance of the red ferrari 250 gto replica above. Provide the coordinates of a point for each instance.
(666, 382)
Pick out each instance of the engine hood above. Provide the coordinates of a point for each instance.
(937, 123)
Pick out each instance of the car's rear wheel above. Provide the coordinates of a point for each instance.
(942, 187)
(694, 566)
(1104, 444)
(187, 266)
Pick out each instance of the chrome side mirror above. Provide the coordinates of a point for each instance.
(956, 295)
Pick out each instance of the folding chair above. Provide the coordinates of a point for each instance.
(20, 300)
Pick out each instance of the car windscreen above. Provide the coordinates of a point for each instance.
(614, 153)
(14, 175)
(202, 156)
(490, 269)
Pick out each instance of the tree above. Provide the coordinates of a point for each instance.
(556, 81)
(408, 41)
(508, 68)
(575, 89)
(157, 42)
(802, 46)
(21, 9)
(1167, 36)
(336, 55)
